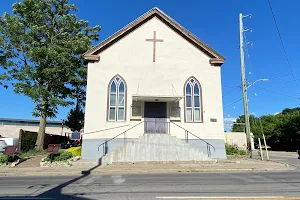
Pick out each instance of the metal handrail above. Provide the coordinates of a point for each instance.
(208, 144)
(120, 134)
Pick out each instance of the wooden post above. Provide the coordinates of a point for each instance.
(261, 153)
(20, 140)
(266, 147)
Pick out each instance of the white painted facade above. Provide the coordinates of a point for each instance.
(163, 81)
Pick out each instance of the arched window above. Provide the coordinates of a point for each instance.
(116, 99)
(193, 96)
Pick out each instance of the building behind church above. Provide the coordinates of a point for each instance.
(155, 88)
(10, 127)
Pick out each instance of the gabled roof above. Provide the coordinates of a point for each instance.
(92, 54)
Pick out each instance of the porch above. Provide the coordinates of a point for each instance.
(156, 112)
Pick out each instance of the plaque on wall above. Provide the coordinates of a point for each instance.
(213, 120)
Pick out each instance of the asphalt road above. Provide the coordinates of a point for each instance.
(154, 186)
(287, 157)
(151, 186)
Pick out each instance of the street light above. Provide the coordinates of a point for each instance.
(262, 79)
(245, 87)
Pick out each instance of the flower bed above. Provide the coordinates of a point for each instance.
(76, 151)
(62, 158)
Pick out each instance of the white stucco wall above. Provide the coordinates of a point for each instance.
(236, 138)
(176, 61)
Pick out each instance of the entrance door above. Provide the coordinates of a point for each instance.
(155, 115)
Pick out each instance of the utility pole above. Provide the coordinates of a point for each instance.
(244, 86)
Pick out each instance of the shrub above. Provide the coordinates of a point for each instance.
(12, 158)
(60, 156)
(232, 150)
(28, 142)
(64, 156)
(3, 159)
(7, 159)
(76, 151)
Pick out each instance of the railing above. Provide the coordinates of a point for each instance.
(160, 127)
(208, 145)
(104, 144)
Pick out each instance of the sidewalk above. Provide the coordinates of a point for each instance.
(230, 165)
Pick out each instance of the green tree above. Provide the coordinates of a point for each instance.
(289, 110)
(282, 131)
(41, 47)
(75, 119)
(240, 126)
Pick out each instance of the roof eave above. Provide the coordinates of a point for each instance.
(217, 61)
(217, 58)
(92, 58)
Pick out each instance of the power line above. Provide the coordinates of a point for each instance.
(231, 91)
(282, 94)
(240, 98)
(229, 86)
(282, 44)
(281, 76)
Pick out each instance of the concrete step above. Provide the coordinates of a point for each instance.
(155, 147)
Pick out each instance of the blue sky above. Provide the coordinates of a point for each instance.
(216, 23)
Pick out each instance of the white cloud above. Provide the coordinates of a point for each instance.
(228, 123)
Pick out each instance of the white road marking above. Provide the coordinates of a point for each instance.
(117, 179)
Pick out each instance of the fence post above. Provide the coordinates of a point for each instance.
(266, 147)
(261, 153)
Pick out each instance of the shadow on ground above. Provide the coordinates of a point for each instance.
(56, 192)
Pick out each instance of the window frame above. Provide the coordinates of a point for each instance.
(192, 95)
(117, 80)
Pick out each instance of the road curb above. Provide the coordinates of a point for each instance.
(72, 172)
(286, 164)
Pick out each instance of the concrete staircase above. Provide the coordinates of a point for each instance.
(155, 147)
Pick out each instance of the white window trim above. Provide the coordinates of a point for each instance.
(116, 106)
(192, 95)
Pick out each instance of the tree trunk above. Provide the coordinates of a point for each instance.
(41, 134)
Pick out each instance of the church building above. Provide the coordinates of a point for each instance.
(153, 94)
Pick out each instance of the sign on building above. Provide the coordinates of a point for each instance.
(75, 135)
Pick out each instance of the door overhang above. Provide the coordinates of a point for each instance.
(156, 98)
